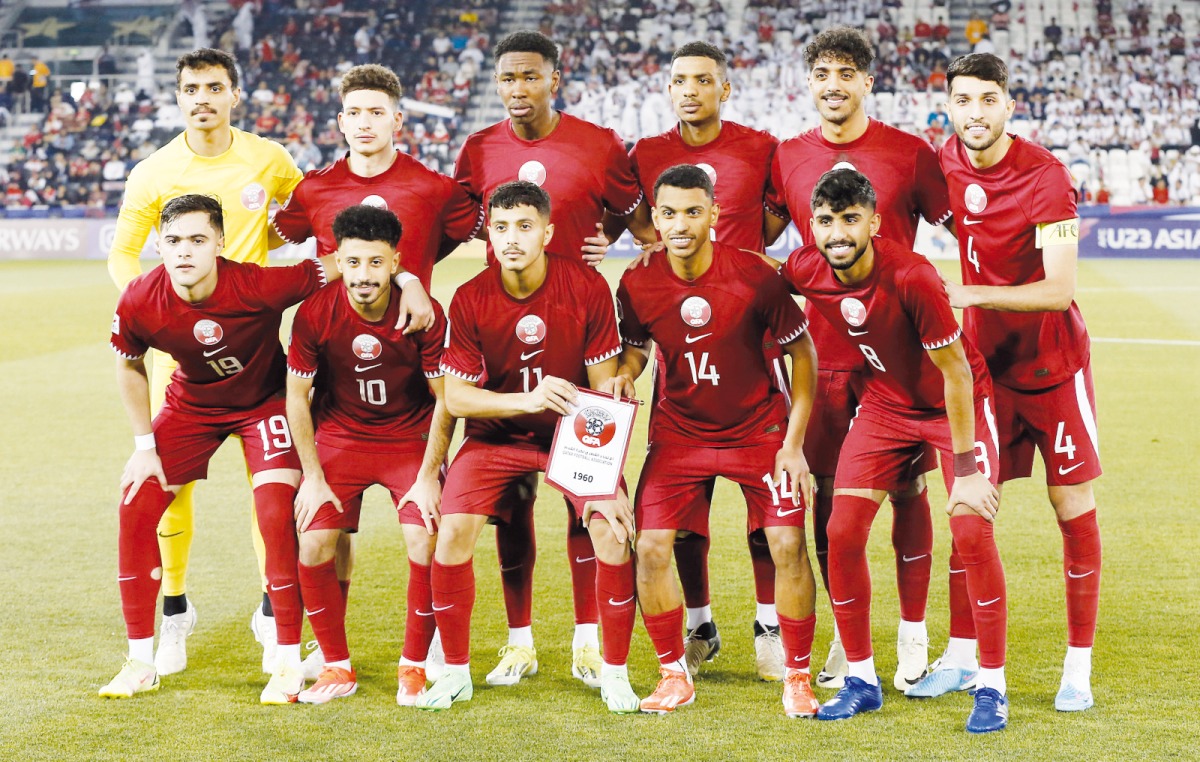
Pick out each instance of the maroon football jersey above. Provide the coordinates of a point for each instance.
(430, 206)
(512, 344)
(719, 390)
(998, 210)
(583, 167)
(908, 184)
(370, 380)
(739, 164)
(227, 346)
(892, 318)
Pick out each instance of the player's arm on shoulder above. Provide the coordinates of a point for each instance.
(133, 384)
(416, 308)
(1054, 293)
(314, 491)
(138, 216)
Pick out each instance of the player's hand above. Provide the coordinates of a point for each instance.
(426, 494)
(618, 386)
(793, 477)
(960, 295)
(619, 514)
(142, 466)
(977, 493)
(553, 394)
(647, 252)
(595, 246)
(416, 310)
(313, 494)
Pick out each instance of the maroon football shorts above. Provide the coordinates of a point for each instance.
(186, 440)
(350, 472)
(494, 480)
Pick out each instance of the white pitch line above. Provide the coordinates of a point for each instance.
(1152, 342)
(1152, 289)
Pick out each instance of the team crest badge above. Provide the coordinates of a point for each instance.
(595, 426)
(711, 171)
(843, 165)
(531, 329)
(533, 172)
(375, 201)
(366, 347)
(254, 197)
(208, 332)
(975, 199)
(695, 311)
(853, 311)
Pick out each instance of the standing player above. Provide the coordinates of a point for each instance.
(523, 334)
(245, 172)
(1016, 205)
(903, 170)
(220, 319)
(738, 161)
(587, 173)
(706, 306)
(380, 420)
(924, 385)
(435, 211)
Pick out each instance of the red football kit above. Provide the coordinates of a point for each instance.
(895, 316)
(371, 397)
(230, 375)
(431, 208)
(582, 166)
(1041, 361)
(739, 164)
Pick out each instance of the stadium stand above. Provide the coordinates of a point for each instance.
(1110, 87)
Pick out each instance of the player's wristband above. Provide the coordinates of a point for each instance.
(403, 279)
(964, 464)
(144, 442)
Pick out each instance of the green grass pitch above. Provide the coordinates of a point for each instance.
(61, 636)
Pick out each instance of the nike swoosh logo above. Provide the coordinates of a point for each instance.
(1073, 575)
(958, 571)
(803, 658)
(1064, 471)
(362, 368)
(783, 514)
(857, 333)
(843, 603)
(285, 587)
(530, 355)
(275, 455)
(126, 579)
(510, 568)
(213, 352)
(173, 534)
(424, 613)
(579, 560)
(910, 559)
(663, 655)
(611, 602)
(693, 339)
(969, 221)
(985, 603)
(313, 613)
(441, 608)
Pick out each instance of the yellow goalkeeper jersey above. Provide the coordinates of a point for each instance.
(245, 178)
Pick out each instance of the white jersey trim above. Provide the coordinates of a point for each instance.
(795, 334)
(321, 270)
(633, 343)
(434, 374)
(944, 342)
(629, 211)
(300, 373)
(478, 224)
(126, 356)
(771, 211)
(459, 374)
(1085, 410)
(280, 233)
(610, 353)
(942, 220)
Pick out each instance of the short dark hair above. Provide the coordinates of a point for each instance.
(527, 41)
(841, 43)
(984, 66)
(204, 58)
(193, 202)
(367, 223)
(840, 189)
(699, 49)
(686, 176)
(520, 193)
(371, 77)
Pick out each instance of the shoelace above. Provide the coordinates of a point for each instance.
(987, 698)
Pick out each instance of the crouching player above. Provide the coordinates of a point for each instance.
(924, 384)
(523, 334)
(220, 320)
(380, 419)
(707, 306)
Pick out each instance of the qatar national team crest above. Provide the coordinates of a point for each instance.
(711, 171)
(695, 311)
(375, 201)
(975, 199)
(367, 347)
(532, 171)
(531, 329)
(595, 426)
(208, 332)
(254, 197)
(853, 311)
